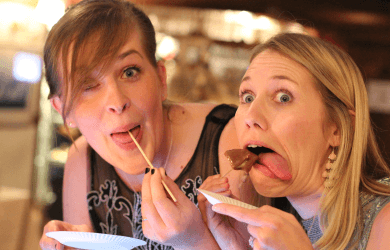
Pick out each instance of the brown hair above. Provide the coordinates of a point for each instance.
(359, 163)
(106, 23)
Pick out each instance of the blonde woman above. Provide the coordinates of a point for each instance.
(304, 110)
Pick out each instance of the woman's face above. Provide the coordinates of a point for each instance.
(127, 97)
(282, 111)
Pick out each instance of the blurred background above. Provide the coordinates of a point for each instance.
(206, 45)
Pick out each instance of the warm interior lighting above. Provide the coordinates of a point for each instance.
(14, 12)
(167, 48)
(295, 28)
(263, 23)
(49, 12)
(27, 67)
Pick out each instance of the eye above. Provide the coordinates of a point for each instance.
(130, 72)
(283, 97)
(90, 87)
(90, 84)
(247, 98)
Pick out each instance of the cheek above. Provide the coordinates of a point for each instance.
(240, 127)
(301, 130)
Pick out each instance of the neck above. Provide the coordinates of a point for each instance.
(163, 155)
(306, 206)
(134, 182)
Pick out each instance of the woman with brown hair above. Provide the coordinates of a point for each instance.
(104, 80)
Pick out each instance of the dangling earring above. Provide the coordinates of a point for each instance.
(328, 183)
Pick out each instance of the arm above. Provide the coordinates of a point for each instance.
(380, 232)
(76, 185)
(74, 197)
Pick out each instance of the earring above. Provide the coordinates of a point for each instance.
(328, 183)
(70, 124)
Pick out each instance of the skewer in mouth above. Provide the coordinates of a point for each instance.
(151, 166)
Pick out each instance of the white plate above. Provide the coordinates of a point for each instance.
(215, 198)
(95, 241)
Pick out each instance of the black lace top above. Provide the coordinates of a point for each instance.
(115, 209)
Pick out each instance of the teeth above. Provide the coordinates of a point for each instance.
(254, 146)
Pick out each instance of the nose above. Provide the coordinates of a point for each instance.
(117, 101)
(255, 117)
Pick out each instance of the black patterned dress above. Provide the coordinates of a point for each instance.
(115, 209)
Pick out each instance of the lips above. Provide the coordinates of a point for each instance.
(122, 137)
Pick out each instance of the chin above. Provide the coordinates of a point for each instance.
(269, 187)
(133, 169)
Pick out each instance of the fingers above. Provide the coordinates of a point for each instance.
(56, 225)
(161, 199)
(271, 228)
(158, 207)
(148, 209)
(263, 216)
(214, 184)
(245, 215)
(47, 242)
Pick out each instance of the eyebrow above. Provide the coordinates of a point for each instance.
(282, 77)
(129, 52)
(278, 77)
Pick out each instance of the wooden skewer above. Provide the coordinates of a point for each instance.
(151, 166)
(227, 173)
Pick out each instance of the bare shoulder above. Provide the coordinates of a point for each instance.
(190, 112)
(77, 154)
(380, 232)
(189, 117)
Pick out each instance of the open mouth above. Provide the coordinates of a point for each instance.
(133, 130)
(124, 137)
(259, 149)
(270, 163)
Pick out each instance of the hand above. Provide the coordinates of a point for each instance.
(214, 184)
(229, 233)
(270, 227)
(47, 243)
(178, 224)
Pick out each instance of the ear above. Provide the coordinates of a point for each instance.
(334, 137)
(162, 75)
(56, 103)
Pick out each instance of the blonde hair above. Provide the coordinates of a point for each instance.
(359, 162)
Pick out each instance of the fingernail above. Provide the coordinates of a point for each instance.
(153, 171)
(147, 170)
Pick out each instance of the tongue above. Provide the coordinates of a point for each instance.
(124, 137)
(277, 164)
